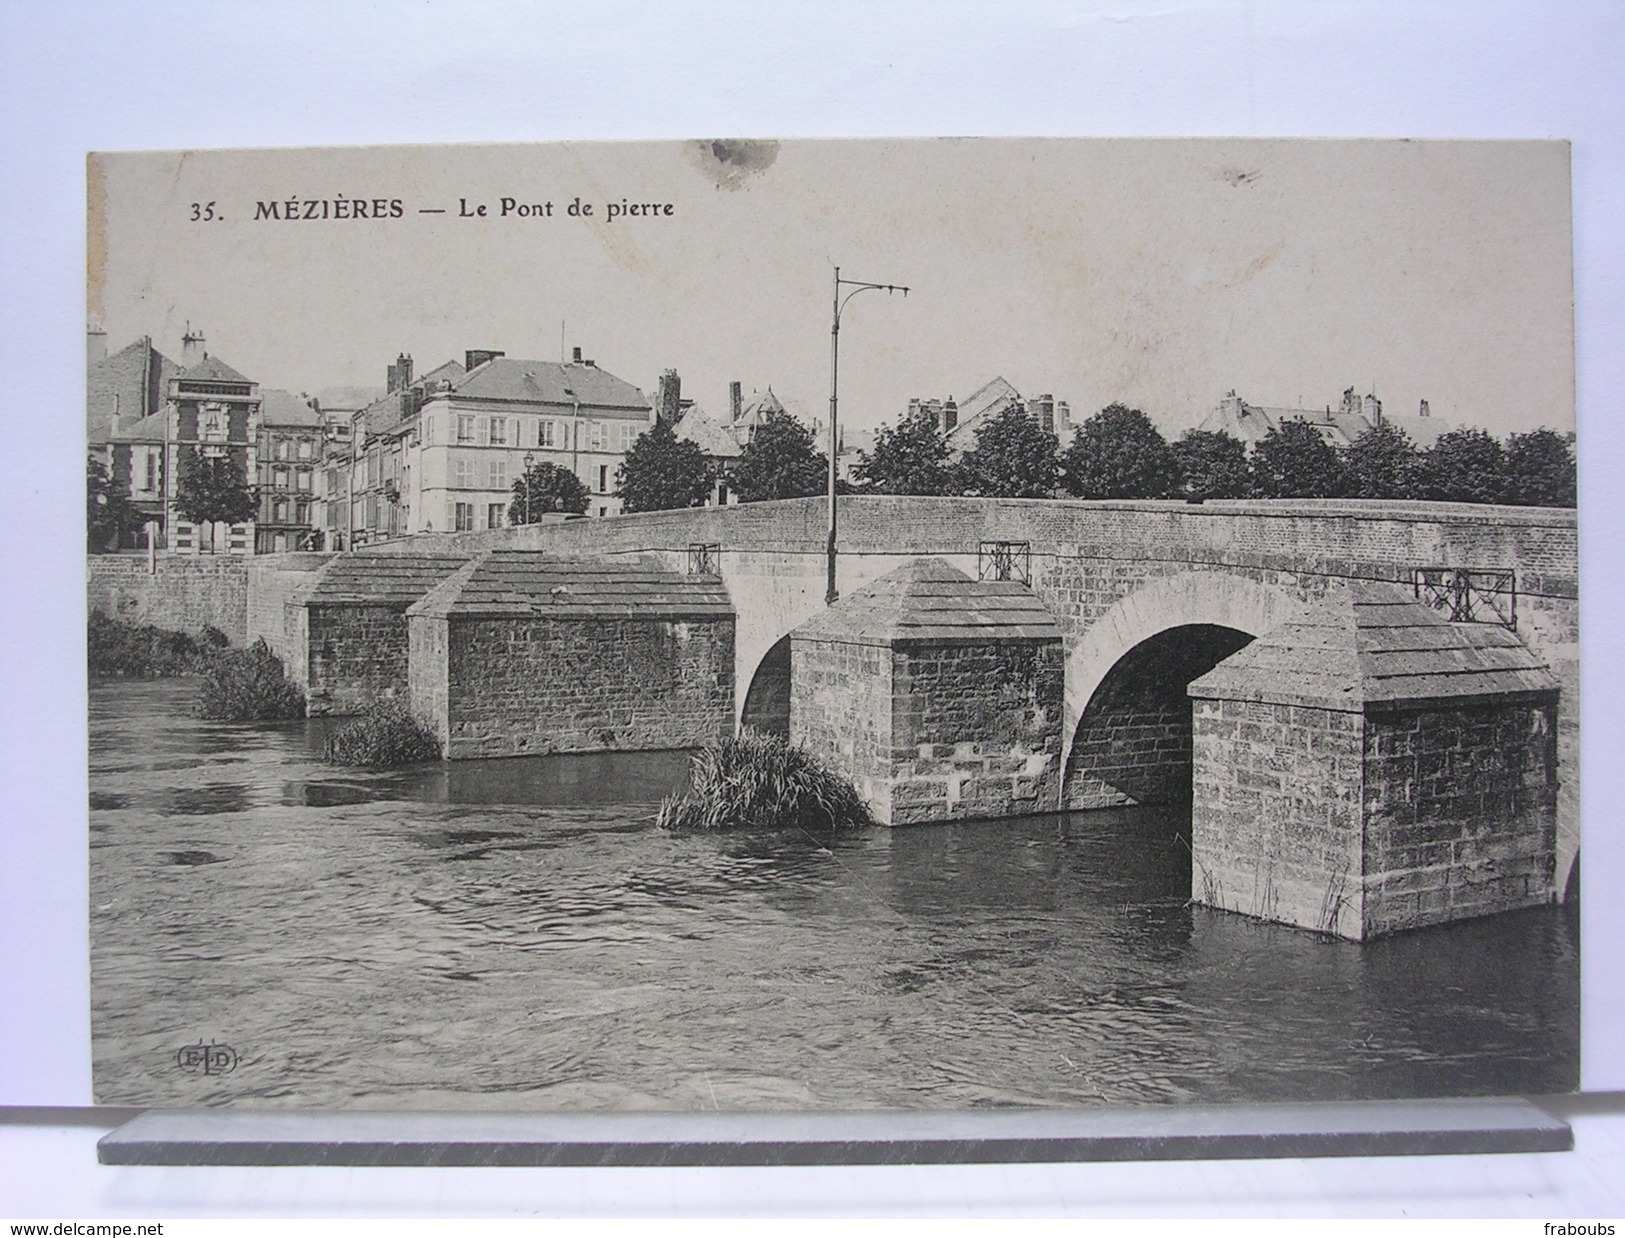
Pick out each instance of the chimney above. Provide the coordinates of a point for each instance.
(475, 357)
(575, 356)
(1424, 411)
(95, 345)
(192, 352)
(736, 400)
(668, 403)
(399, 376)
(950, 416)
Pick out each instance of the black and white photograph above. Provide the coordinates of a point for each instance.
(828, 625)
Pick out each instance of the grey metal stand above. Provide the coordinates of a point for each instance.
(1221, 1132)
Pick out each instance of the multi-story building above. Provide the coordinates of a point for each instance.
(146, 413)
(289, 453)
(371, 493)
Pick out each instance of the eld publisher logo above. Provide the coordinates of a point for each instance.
(206, 1059)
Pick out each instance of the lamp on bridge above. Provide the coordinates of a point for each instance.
(831, 595)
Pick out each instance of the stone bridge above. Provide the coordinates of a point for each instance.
(1148, 596)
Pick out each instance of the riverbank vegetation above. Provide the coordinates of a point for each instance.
(385, 736)
(248, 685)
(120, 650)
(762, 782)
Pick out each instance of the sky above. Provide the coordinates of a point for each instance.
(1159, 273)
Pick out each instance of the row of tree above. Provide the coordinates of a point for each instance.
(1119, 454)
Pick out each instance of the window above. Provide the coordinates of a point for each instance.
(281, 449)
(428, 431)
(546, 433)
(595, 436)
(499, 475)
(603, 479)
(603, 511)
(279, 478)
(462, 474)
(374, 470)
(306, 449)
(499, 431)
(212, 423)
(465, 428)
(496, 515)
(302, 480)
(629, 434)
(463, 517)
(151, 482)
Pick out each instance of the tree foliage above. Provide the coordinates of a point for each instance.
(213, 489)
(662, 471)
(109, 512)
(1382, 464)
(780, 462)
(545, 489)
(1014, 458)
(1119, 454)
(1213, 465)
(1465, 466)
(911, 457)
(1540, 470)
(1292, 461)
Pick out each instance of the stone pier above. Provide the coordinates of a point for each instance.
(356, 625)
(939, 696)
(522, 653)
(1373, 768)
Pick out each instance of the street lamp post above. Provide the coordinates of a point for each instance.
(831, 595)
(530, 459)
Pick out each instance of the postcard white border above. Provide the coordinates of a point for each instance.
(167, 75)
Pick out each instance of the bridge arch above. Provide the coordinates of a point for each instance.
(1127, 718)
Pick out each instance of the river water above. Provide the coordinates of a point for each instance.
(516, 934)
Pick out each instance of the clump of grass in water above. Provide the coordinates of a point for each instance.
(762, 782)
(248, 685)
(385, 735)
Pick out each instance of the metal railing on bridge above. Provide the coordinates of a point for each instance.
(1469, 595)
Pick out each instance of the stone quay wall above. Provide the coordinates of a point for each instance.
(1460, 813)
(520, 686)
(358, 656)
(185, 594)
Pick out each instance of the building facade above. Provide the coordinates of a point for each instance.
(288, 450)
(148, 413)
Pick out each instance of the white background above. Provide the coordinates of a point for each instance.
(82, 76)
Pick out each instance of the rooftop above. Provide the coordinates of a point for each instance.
(928, 599)
(536, 584)
(1374, 645)
(548, 382)
(383, 578)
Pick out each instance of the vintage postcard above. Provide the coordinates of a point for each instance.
(751, 625)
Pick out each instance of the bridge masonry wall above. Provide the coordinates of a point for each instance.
(1088, 557)
(511, 687)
